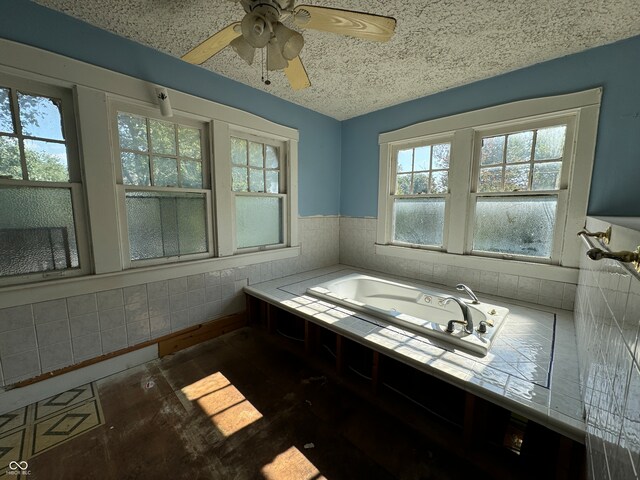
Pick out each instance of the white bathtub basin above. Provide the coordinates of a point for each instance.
(415, 309)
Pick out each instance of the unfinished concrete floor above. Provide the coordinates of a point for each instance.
(238, 407)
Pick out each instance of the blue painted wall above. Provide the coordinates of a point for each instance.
(616, 67)
(320, 136)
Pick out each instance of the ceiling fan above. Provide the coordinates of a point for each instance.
(262, 26)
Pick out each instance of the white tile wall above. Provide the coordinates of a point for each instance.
(42, 337)
(607, 317)
(357, 248)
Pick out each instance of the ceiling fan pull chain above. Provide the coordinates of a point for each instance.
(265, 81)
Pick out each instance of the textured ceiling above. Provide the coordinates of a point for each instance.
(438, 44)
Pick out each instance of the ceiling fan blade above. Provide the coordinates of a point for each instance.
(297, 75)
(212, 45)
(345, 22)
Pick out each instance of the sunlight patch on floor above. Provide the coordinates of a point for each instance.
(291, 465)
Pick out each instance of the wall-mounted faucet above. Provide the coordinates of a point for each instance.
(463, 288)
(467, 321)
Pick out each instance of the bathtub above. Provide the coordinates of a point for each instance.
(416, 309)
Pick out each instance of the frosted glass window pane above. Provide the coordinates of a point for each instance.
(37, 231)
(272, 182)
(419, 221)
(403, 186)
(546, 176)
(163, 137)
(238, 151)
(255, 155)
(515, 225)
(550, 143)
(132, 131)
(439, 182)
(189, 142)
(191, 174)
(135, 169)
(166, 224)
(441, 154)
(256, 180)
(40, 116)
(10, 158)
(405, 160)
(239, 178)
(420, 183)
(271, 160)
(6, 120)
(165, 172)
(258, 221)
(490, 179)
(492, 150)
(519, 147)
(516, 177)
(422, 157)
(46, 161)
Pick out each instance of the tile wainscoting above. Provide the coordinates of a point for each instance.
(41, 337)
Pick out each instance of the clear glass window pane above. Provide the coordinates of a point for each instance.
(492, 150)
(546, 176)
(256, 180)
(189, 142)
(420, 183)
(405, 160)
(46, 161)
(422, 156)
(132, 131)
(10, 158)
(165, 172)
(419, 221)
(490, 179)
(272, 157)
(40, 116)
(441, 155)
(519, 147)
(516, 177)
(238, 151)
(439, 182)
(255, 155)
(37, 230)
(191, 173)
(550, 143)
(163, 137)
(273, 185)
(403, 185)
(135, 169)
(239, 179)
(166, 224)
(258, 221)
(6, 120)
(515, 225)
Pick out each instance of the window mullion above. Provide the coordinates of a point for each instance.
(459, 175)
(17, 126)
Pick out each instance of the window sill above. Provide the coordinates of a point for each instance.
(511, 267)
(66, 287)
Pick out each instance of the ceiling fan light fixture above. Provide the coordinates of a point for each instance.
(291, 42)
(275, 60)
(255, 30)
(243, 49)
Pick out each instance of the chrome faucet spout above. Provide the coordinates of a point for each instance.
(467, 321)
(463, 288)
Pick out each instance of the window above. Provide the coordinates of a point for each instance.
(420, 193)
(41, 220)
(506, 182)
(258, 186)
(164, 176)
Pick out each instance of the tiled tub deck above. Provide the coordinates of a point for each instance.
(531, 370)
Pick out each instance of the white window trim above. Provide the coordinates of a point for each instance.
(465, 129)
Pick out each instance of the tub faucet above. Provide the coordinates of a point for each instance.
(466, 315)
(463, 288)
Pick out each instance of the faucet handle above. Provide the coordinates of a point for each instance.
(463, 288)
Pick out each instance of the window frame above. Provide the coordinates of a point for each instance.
(467, 129)
(75, 185)
(193, 121)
